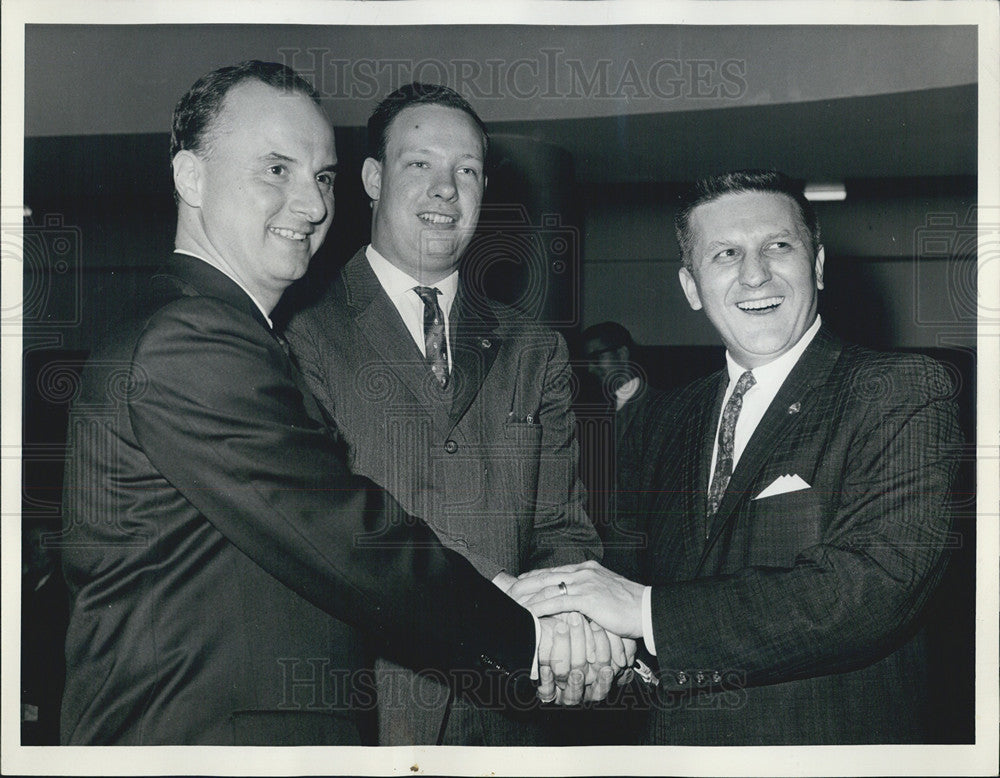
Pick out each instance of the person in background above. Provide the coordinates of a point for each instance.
(608, 348)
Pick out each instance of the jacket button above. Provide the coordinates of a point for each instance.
(485, 343)
(450, 446)
(682, 678)
(699, 678)
(716, 677)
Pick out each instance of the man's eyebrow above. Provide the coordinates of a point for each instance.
(274, 156)
(432, 151)
(782, 234)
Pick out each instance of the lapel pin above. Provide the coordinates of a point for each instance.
(794, 408)
(485, 343)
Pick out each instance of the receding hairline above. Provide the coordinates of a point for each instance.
(222, 122)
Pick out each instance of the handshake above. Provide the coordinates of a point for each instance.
(590, 618)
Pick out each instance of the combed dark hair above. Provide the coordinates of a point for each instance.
(609, 332)
(739, 182)
(415, 94)
(198, 108)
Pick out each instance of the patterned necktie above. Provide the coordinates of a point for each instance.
(435, 347)
(724, 458)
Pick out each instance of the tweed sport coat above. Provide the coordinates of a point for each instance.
(795, 618)
(221, 560)
(491, 465)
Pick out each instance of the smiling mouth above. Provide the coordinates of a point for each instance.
(760, 306)
(436, 218)
(282, 232)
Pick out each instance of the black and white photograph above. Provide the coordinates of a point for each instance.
(432, 388)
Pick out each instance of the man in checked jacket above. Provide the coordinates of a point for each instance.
(793, 506)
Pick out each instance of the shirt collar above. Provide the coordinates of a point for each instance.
(397, 283)
(776, 371)
(231, 277)
(627, 390)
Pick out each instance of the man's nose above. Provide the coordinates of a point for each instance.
(443, 186)
(754, 269)
(308, 199)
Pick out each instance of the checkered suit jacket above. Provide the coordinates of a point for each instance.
(797, 619)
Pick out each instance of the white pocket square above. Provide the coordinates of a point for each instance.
(782, 485)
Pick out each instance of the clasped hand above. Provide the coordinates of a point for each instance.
(580, 659)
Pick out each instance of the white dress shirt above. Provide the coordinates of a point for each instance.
(399, 287)
(756, 400)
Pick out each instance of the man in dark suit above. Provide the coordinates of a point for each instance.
(795, 532)
(608, 348)
(222, 561)
(458, 406)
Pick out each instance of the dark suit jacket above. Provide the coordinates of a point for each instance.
(492, 464)
(220, 557)
(632, 410)
(797, 620)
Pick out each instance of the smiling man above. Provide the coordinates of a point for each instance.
(222, 561)
(793, 506)
(458, 406)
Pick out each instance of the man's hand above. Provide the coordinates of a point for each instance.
(504, 580)
(611, 600)
(562, 660)
(579, 660)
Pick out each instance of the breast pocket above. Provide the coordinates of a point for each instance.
(780, 527)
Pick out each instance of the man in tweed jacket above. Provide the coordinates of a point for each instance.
(783, 603)
(488, 456)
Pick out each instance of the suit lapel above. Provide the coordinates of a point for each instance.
(381, 327)
(708, 424)
(676, 468)
(475, 343)
(699, 445)
(796, 393)
(199, 277)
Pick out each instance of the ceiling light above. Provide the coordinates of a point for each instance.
(826, 192)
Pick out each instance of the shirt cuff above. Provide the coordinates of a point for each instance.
(647, 621)
(538, 640)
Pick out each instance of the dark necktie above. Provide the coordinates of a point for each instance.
(435, 346)
(724, 458)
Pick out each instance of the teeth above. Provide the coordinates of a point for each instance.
(759, 305)
(437, 218)
(290, 234)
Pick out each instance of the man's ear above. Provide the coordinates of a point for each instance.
(690, 287)
(189, 174)
(820, 259)
(371, 177)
